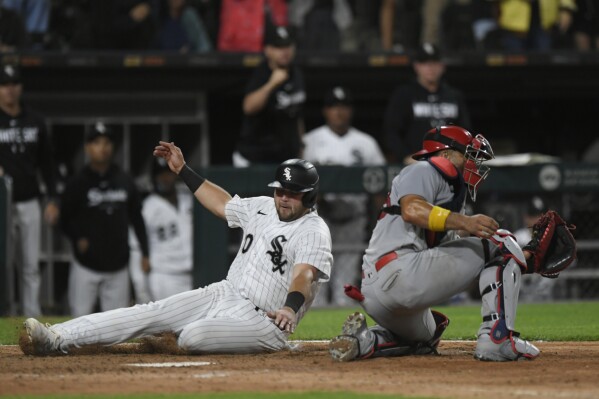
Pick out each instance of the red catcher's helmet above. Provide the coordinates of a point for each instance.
(476, 150)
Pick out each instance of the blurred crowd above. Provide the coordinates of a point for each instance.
(188, 26)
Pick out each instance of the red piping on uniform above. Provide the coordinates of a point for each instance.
(384, 260)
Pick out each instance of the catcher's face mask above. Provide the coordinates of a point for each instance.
(478, 151)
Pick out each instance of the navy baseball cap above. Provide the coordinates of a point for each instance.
(427, 52)
(338, 95)
(99, 130)
(279, 36)
(9, 74)
(536, 206)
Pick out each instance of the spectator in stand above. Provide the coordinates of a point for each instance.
(12, 31)
(115, 24)
(36, 15)
(182, 29)
(371, 29)
(25, 152)
(244, 23)
(273, 106)
(338, 143)
(425, 103)
(320, 25)
(529, 24)
(98, 206)
(134, 24)
(432, 10)
(586, 25)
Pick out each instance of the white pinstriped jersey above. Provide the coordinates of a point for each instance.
(262, 269)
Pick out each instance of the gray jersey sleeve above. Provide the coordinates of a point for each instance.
(424, 180)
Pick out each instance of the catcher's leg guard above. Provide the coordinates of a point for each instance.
(499, 286)
(357, 341)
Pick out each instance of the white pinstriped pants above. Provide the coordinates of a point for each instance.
(213, 319)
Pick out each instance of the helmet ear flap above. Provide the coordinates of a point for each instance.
(309, 198)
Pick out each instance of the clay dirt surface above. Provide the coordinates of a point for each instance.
(564, 370)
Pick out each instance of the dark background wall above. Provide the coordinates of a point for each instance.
(543, 103)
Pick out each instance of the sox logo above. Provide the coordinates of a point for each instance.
(287, 174)
(276, 255)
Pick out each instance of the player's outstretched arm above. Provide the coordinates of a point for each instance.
(300, 291)
(212, 197)
(416, 210)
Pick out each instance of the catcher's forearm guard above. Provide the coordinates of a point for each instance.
(552, 247)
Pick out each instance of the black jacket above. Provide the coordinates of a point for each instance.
(100, 209)
(25, 150)
(413, 110)
(272, 135)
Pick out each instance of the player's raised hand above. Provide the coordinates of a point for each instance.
(171, 154)
(284, 318)
(278, 76)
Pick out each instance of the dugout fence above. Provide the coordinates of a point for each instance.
(570, 188)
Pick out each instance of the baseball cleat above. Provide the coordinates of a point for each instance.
(511, 349)
(45, 340)
(346, 347)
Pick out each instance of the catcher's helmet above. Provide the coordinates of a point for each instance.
(299, 176)
(476, 150)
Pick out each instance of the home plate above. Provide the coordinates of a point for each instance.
(170, 364)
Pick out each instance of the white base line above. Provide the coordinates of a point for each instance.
(170, 364)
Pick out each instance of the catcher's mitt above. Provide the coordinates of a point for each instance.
(553, 247)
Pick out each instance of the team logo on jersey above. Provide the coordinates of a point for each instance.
(276, 255)
(287, 174)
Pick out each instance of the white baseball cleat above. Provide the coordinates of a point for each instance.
(513, 348)
(346, 347)
(45, 340)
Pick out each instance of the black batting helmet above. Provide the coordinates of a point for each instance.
(300, 176)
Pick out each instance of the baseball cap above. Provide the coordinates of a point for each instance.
(9, 74)
(279, 36)
(159, 165)
(338, 95)
(536, 206)
(427, 52)
(98, 130)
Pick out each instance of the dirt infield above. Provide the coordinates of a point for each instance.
(564, 370)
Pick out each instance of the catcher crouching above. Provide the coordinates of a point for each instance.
(424, 249)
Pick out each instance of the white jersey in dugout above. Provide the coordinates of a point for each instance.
(325, 147)
(262, 269)
(170, 232)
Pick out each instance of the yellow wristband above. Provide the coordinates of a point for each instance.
(437, 218)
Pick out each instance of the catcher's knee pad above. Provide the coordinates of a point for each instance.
(499, 286)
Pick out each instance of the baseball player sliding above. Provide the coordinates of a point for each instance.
(284, 256)
(416, 259)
